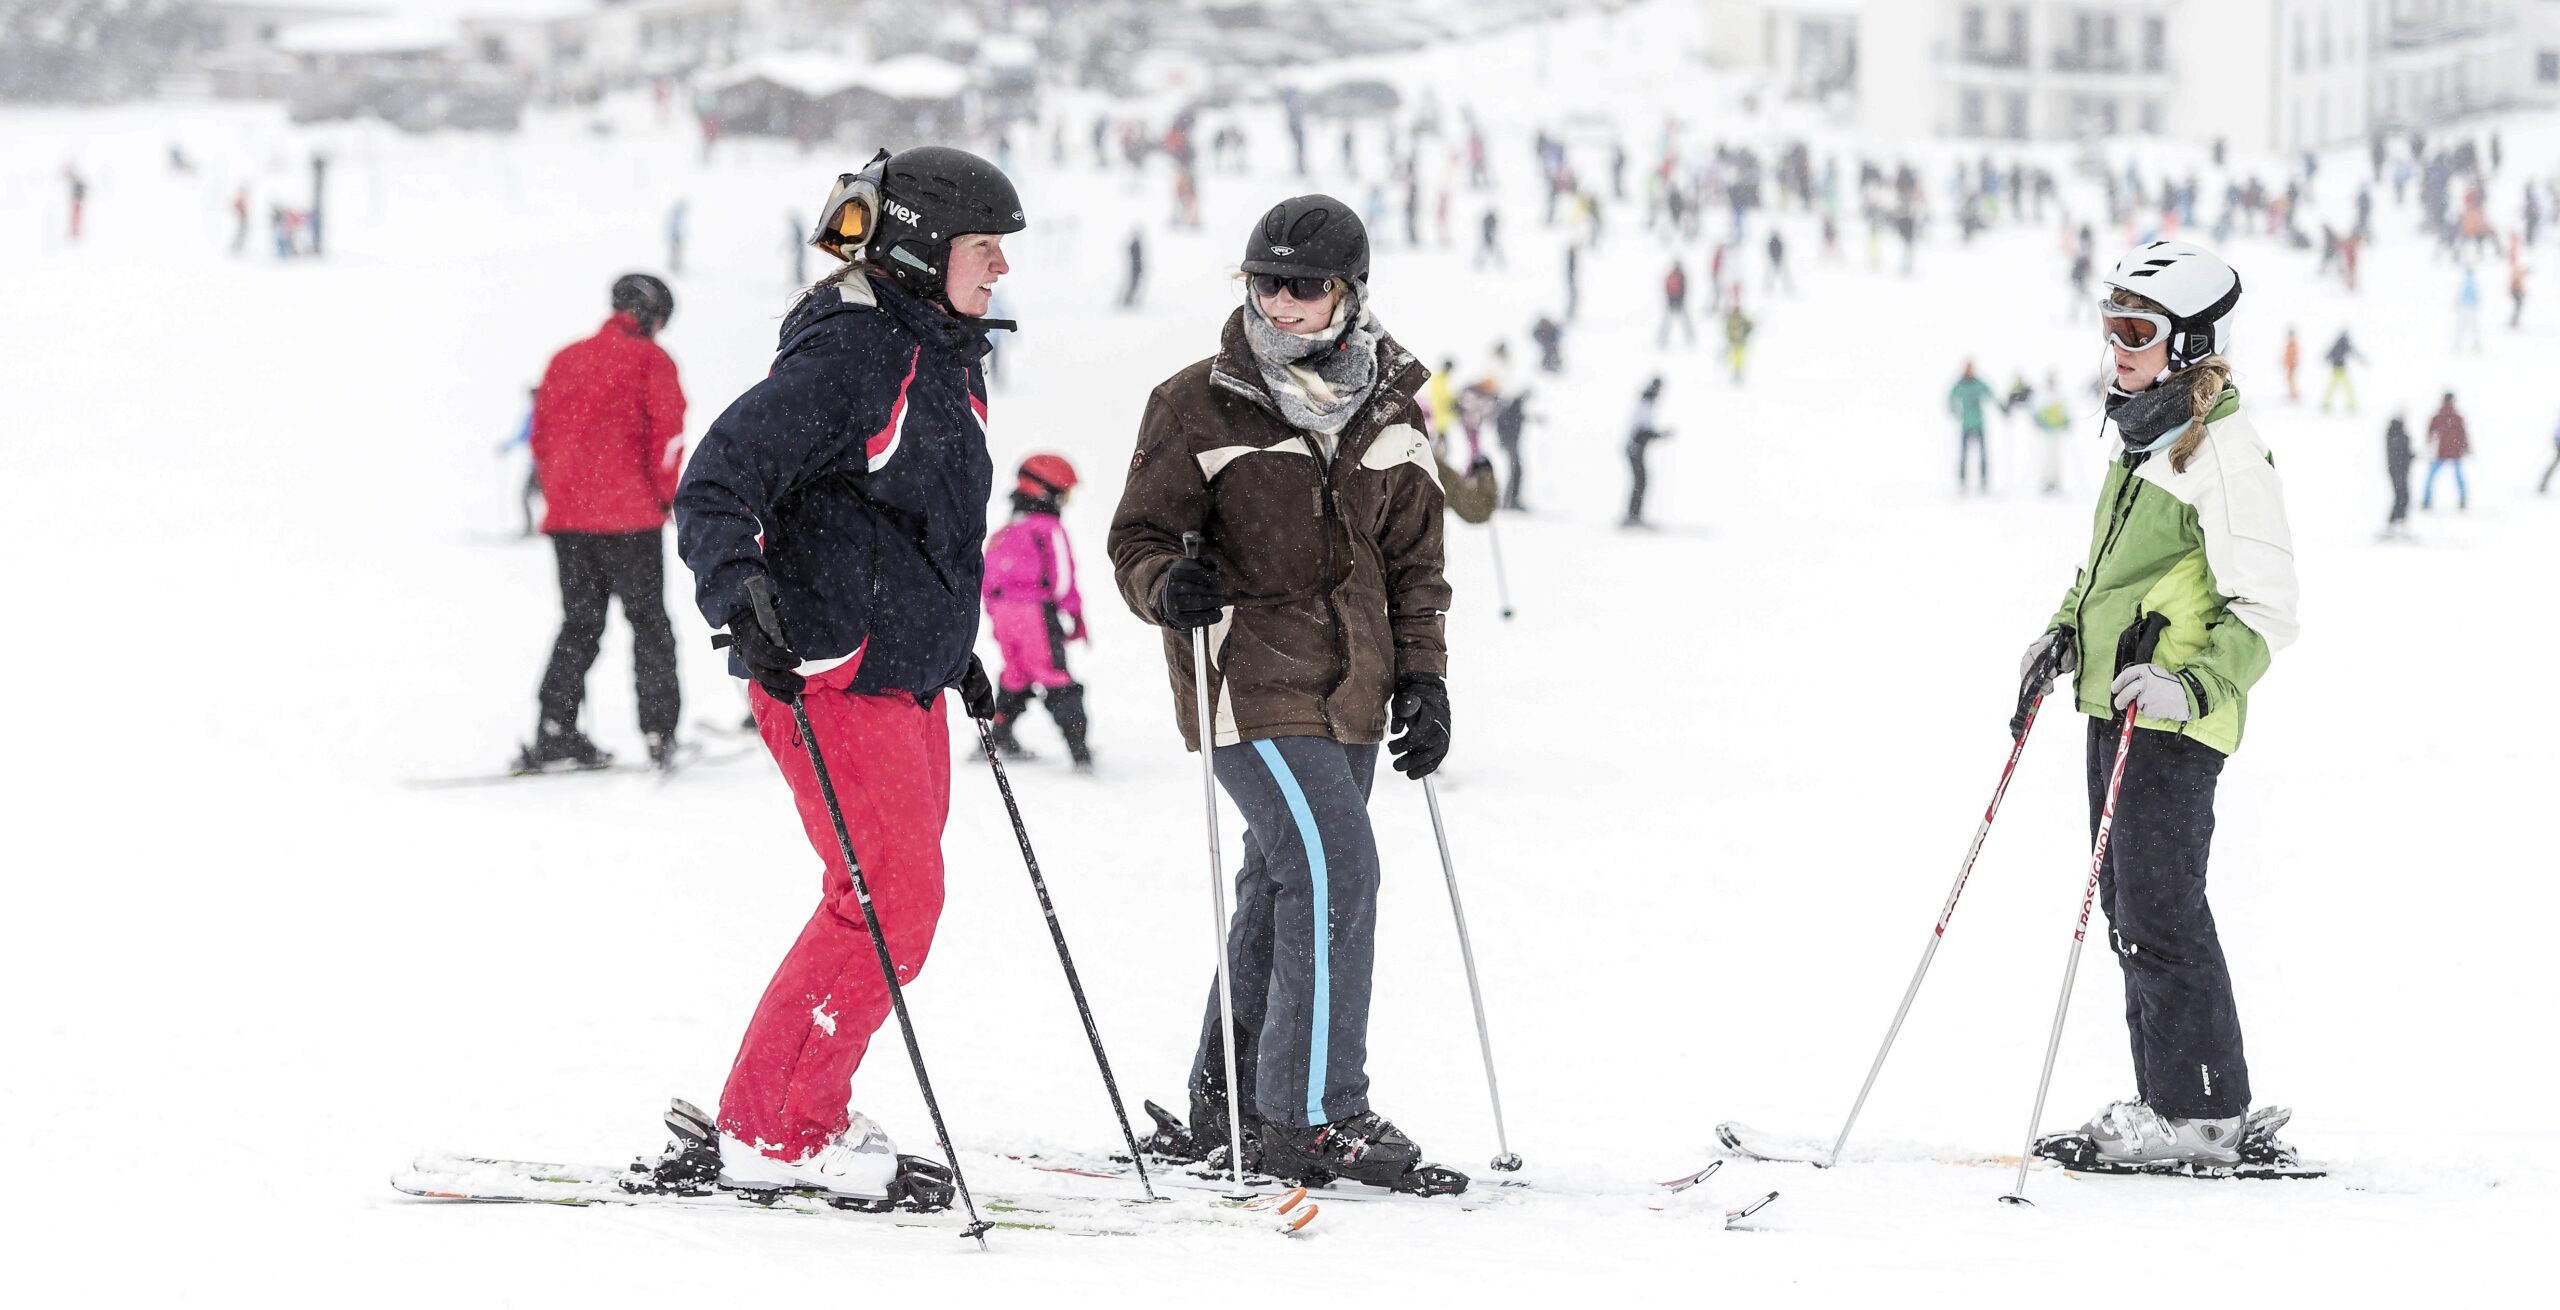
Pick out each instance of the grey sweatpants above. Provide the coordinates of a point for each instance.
(1304, 935)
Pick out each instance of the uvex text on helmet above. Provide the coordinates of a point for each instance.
(1309, 236)
(930, 194)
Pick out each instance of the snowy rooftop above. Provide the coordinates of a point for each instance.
(819, 73)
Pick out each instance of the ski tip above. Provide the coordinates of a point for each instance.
(1295, 1224)
(1732, 1217)
(1729, 1133)
(1683, 1184)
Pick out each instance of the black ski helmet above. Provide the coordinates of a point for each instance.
(645, 298)
(1309, 236)
(928, 195)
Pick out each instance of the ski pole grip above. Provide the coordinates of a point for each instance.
(760, 596)
(1191, 545)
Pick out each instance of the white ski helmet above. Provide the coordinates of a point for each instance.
(2193, 284)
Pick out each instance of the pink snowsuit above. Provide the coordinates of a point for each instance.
(1031, 582)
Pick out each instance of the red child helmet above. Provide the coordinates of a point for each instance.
(1045, 476)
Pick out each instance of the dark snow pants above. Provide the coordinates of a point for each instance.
(596, 567)
(1300, 947)
(2178, 1007)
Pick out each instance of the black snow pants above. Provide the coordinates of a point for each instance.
(2178, 1007)
(596, 567)
(1303, 939)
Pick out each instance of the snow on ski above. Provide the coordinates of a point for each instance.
(445, 1176)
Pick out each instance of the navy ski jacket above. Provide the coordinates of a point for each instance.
(857, 475)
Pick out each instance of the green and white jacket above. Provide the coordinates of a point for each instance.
(2209, 550)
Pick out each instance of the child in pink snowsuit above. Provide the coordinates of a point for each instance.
(1035, 609)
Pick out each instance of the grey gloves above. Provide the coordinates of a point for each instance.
(2038, 650)
(2153, 692)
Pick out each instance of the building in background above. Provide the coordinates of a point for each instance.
(1809, 46)
(2540, 50)
(2260, 75)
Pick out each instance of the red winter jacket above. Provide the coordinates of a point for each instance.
(607, 427)
(2452, 436)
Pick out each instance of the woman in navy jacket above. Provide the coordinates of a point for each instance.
(853, 484)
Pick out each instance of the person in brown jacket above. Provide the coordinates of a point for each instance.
(1301, 456)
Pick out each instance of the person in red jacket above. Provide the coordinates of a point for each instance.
(2452, 438)
(608, 424)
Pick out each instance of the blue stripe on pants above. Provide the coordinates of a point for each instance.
(1320, 1020)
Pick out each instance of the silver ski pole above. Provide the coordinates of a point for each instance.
(1501, 585)
(2017, 1195)
(2024, 723)
(1204, 717)
(1506, 1161)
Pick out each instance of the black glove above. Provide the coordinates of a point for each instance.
(976, 693)
(769, 659)
(1421, 724)
(1191, 594)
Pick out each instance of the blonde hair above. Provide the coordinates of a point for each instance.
(2205, 381)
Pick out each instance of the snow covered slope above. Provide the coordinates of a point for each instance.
(1706, 793)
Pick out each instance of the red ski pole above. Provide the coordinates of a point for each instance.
(2146, 637)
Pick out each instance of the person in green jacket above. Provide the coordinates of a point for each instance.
(2190, 540)
(1966, 401)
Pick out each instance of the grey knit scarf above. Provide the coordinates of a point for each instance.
(2153, 417)
(1343, 359)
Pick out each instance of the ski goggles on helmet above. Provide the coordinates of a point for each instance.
(2128, 328)
(846, 221)
(1299, 288)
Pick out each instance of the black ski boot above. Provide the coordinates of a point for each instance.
(1364, 1148)
(558, 747)
(665, 752)
(1172, 1141)
(1009, 708)
(1066, 705)
(1202, 1141)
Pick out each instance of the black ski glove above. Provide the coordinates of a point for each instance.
(1191, 594)
(1421, 724)
(976, 693)
(769, 659)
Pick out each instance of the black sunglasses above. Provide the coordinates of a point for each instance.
(1302, 288)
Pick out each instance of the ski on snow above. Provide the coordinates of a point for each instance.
(446, 1177)
(2261, 1154)
(688, 755)
(1486, 1193)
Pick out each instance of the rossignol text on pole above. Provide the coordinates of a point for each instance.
(2031, 699)
(2142, 641)
(1504, 1161)
(1057, 934)
(1206, 719)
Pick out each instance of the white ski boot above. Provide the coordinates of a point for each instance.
(859, 1165)
(2132, 1133)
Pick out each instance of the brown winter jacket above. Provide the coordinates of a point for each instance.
(1332, 575)
(2451, 435)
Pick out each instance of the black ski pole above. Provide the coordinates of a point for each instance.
(1075, 985)
(760, 595)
